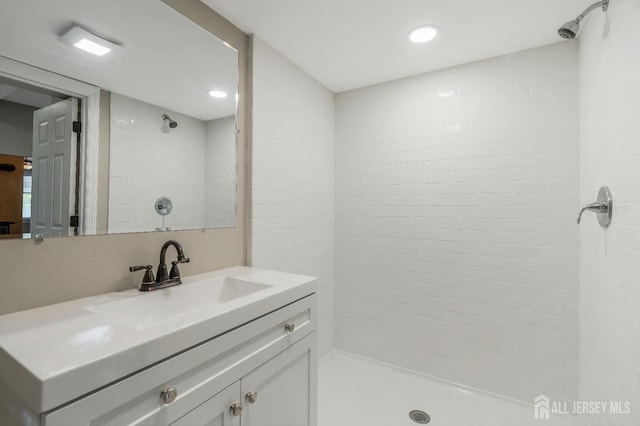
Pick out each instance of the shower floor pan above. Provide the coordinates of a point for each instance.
(354, 391)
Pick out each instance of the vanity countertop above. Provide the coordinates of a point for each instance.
(57, 353)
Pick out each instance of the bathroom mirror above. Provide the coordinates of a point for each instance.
(154, 117)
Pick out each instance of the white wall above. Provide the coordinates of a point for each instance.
(146, 163)
(456, 242)
(16, 128)
(293, 176)
(610, 258)
(220, 173)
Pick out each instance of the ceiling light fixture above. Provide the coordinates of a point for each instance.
(217, 94)
(423, 34)
(88, 41)
(446, 93)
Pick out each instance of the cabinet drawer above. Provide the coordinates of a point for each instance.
(197, 373)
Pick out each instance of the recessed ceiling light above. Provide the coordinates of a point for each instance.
(446, 93)
(91, 47)
(87, 41)
(217, 94)
(423, 34)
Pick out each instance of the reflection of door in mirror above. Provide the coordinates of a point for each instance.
(54, 170)
(37, 123)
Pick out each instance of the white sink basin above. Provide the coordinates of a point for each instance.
(57, 353)
(146, 310)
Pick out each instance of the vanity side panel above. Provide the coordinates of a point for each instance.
(14, 411)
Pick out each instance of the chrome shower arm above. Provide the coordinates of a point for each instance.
(604, 4)
(570, 29)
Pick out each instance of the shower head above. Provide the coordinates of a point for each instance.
(171, 123)
(569, 30)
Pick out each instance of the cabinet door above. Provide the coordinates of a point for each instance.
(283, 389)
(215, 411)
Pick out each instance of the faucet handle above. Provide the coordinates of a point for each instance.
(175, 272)
(148, 274)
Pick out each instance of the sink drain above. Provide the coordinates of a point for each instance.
(419, 417)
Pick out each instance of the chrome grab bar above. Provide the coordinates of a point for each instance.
(603, 207)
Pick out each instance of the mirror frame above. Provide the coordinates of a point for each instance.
(62, 269)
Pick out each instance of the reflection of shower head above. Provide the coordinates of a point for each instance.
(569, 30)
(171, 123)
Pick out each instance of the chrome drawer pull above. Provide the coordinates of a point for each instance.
(289, 327)
(168, 395)
(251, 397)
(236, 409)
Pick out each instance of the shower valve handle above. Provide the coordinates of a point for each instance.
(603, 207)
(596, 206)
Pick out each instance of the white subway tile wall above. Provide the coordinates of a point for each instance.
(293, 176)
(456, 242)
(146, 163)
(610, 258)
(220, 173)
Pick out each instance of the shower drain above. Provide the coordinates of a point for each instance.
(419, 417)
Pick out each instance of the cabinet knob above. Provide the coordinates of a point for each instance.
(236, 409)
(251, 397)
(289, 327)
(168, 395)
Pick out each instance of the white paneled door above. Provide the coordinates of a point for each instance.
(54, 169)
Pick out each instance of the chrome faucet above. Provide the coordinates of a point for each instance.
(162, 278)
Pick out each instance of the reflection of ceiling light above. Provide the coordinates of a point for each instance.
(91, 47)
(87, 41)
(217, 94)
(27, 163)
(423, 34)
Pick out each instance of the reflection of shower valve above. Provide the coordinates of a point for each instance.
(163, 206)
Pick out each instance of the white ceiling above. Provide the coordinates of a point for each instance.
(346, 44)
(166, 59)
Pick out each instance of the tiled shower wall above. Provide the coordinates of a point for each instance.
(293, 176)
(610, 258)
(456, 241)
(220, 173)
(146, 163)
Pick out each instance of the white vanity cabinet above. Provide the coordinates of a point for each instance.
(230, 347)
(273, 356)
(216, 411)
(275, 394)
(278, 393)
